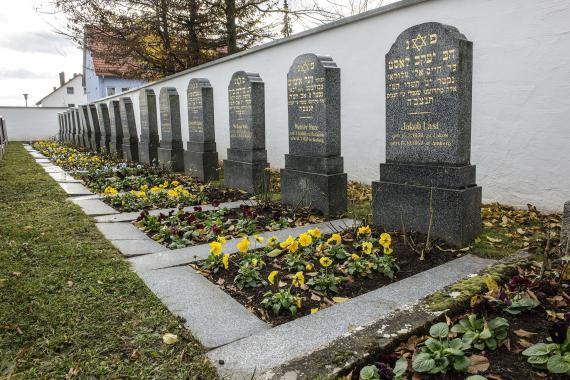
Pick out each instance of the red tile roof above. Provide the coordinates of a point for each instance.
(99, 48)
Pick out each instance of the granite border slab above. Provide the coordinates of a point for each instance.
(93, 207)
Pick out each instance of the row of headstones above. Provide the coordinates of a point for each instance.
(3, 137)
(427, 183)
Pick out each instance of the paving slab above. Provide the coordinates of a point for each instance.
(53, 169)
(182, 256)
(93, 207)
(270, 349)
(37, 155)
(73, 189)
(130, 216)
(213, 316)
(121, 231)
(133, 248)
(88, 197)
(42, 160)
(63, 177)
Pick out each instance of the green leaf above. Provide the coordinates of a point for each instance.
(461, 363)
(485, 334)
(433, 344)
(400, 367)
(439, 330)
(454, 352)
(476, 377)
(369, 373)
(538, 349)
(458, 329)
(274, 253)
(538, 360)
(423, 363)
(498, 322)
(557, 364)
(456, 344)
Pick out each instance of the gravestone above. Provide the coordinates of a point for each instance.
(116, 143)
(64, 120)
(149, 141)
(201, 157)
(171, 150)
(89, 133)
(130, 135)
(60, 134)
(96, 127)
(69, 130)
(74, 128)
(105, 123)
(78, 126)
(313, 174)
(246, 165)
(427, 182)
(565, 231)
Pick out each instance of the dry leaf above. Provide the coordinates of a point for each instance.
(523, 333)
(169, 338)
(340, 299)
(479, 364)
(493, 240)
(525, 343)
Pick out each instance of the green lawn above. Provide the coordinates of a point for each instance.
(69, 305)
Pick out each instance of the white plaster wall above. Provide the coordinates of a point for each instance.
(60, 98)
(31, 123)
(521, 91)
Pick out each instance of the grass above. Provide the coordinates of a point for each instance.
(70, 306)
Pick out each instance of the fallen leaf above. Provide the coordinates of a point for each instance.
(479, 364)
(169, 338)
(493, 240)
(525, 343)
(340, 299)
(523, 333)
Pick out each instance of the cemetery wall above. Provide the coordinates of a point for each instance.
(521, 90)
(31, 123)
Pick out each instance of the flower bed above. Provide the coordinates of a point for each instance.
(181, 229)
(313, 271)
(520, 330)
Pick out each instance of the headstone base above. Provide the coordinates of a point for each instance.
(94, 144)
(131, 151)
(248, 176)
(565, 231)
(172, 157)
(456, 216)
(324, 192)
(148, 152)
(116, 148)
(202, 165)
(107, 144)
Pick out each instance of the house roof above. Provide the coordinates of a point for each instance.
(63, 85)
(98, 46)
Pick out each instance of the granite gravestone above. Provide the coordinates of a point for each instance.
(69, 127)
(171, 150)
(313, 174)
(565, 231)
(427, 179)
(96, 127)
(201, 157)
(246, 165)
(87, 123)
(149, 141)
(64, 125)
(60, 134)
(76, 127)
(116, 144)
(105, 123)
(130, 134)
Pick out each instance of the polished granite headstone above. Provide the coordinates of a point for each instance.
(246, 165)
(565, 231)
(130, 135)
(171, 150)
(96, 127)
(149, 141)
(105, 123)
(428, 137)
(201, 157)
(88, 131)
(116, 143)
(313, 174)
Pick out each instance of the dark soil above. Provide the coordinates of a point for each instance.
(407, 260)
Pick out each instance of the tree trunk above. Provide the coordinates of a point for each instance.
(231, 29)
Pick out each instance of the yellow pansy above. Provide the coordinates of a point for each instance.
(335, 239)
(305, 240)
(155, 189)
(271, 277)
(222, 239)
(165, 184)
(175, 183)
(144, 187)
(355, 257)
(259, 239)
(325, 261)
(110, 190)
(226, 260)
(243, 245)
(385, 240)
(272, 241)
(254, 262)
(140, 194)
(320, 247)
(298, 279)
(172, 193)
(185, 193)
(388, 250)
(314, 310)
(215, 248)
(309, 266)
(298, 302)
(286, 243)
(315, 232)
(293, 247)
(367, 247)
(365, 230)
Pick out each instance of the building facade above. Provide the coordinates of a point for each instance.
(68, 94)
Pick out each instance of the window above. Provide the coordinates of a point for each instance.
(84, 90)
(71, 105)
(124, 89)
(70, 90)
(110, 91)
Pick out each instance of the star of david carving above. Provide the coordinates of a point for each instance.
(419, 42)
